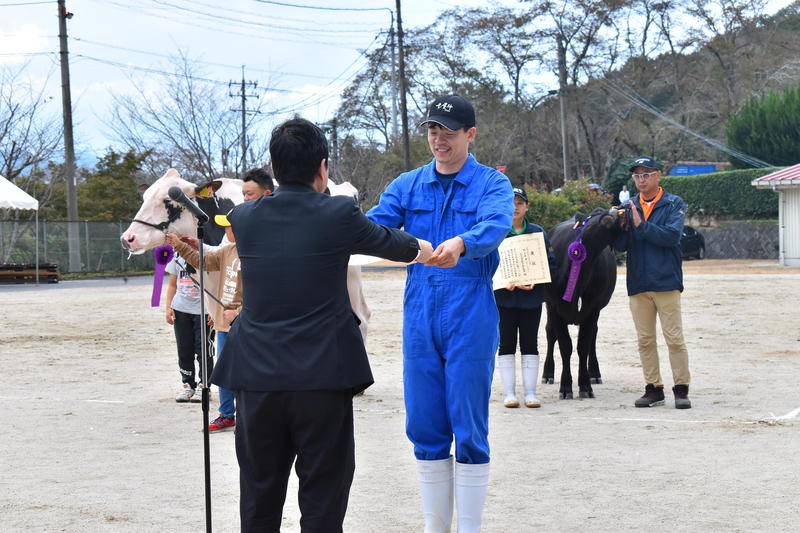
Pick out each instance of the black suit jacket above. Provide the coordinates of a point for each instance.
(296, 330)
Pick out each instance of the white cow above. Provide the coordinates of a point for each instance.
(160, 215)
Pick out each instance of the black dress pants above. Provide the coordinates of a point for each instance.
(272, 428)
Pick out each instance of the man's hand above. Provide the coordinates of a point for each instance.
(425, 250)
(171, 239)
(447, 254)
(191, 241)
(637, 219)
(229, 315)
(512, 286)
(170, 316)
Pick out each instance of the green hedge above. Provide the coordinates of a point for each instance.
(725, 194)
(548, 209)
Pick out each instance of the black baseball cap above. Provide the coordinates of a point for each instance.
(451, 112)
(520, 192)
(646, 162)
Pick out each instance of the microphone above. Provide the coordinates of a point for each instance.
(177, 195)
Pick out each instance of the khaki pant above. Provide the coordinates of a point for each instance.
(667, 306)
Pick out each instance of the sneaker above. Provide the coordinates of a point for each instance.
(652, 396)
(222, 423)
(682, 397)
(198, 394)
(185, 394)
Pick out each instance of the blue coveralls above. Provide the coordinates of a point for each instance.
(450, 326)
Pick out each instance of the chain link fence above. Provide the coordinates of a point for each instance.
(100, 247)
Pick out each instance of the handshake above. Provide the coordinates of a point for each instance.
(445, 255)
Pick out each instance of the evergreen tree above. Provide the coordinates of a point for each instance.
(768, 127)
(109, 193)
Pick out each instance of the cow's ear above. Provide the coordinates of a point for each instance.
(579, 217)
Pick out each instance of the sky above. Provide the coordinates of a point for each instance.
(304, 56)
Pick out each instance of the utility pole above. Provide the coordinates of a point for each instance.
(244, 96)
(333, 156)
(73, 242)
(394, 81)
(562, 100)
(403, 107)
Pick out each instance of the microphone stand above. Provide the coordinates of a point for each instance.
(204, 378)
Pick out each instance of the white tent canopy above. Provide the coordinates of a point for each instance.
(12, 197)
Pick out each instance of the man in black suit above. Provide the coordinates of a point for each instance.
(295, 356)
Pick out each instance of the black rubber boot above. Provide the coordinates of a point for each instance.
(682, 397)
(652, 396)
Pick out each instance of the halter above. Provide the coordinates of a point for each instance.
(173, 213)
(577, 254)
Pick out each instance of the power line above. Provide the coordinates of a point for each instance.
(210, 63)
(24, 4)
(306, 103)
(28, 54)
(271, 16)
(143, 10)
(624, 90)
(128, 66)
(259, 24)
(325, 8)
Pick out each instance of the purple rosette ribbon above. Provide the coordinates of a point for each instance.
(163, 255)
(577, 254)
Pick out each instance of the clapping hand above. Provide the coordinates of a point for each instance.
(637, 218)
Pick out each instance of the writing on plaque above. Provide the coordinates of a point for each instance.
(523, 261)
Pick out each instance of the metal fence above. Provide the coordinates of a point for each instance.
(100, 247)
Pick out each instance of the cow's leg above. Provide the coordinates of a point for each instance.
(586, 338)
(594, 367)
(565, 347)
(548, 371)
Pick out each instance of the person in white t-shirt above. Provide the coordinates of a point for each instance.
(624, 195)
(183, 314)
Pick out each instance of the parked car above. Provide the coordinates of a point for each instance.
(693, 244)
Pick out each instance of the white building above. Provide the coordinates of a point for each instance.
(787, 183)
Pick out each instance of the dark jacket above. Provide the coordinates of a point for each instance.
(654, 250)
(296, 330)
(528, 299)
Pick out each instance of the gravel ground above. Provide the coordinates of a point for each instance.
(94, 440)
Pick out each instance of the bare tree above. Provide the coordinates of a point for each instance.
(29, 133)
(509, 38)
(725, 29)
(29, 137)
(188, 123)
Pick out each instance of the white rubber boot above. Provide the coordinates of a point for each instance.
(530, 373)
(506, 368)
(471, 484)
(436, 488)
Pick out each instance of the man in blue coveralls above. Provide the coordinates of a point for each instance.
(450, 327)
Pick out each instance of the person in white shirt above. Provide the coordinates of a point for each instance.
(624, 195)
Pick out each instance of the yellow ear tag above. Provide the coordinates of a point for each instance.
(205, 192)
